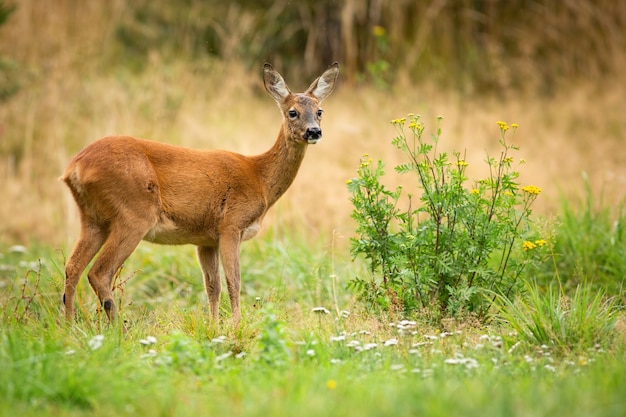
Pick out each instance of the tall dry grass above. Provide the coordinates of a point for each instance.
(74, 89)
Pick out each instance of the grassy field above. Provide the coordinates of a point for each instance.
(285, 359)
(306, 345)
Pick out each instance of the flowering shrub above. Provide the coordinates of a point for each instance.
(455, 249)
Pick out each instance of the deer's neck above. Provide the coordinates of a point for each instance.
(279, 166)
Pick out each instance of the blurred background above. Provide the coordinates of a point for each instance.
(189, 73)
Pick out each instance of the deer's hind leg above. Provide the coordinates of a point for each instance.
(123, 238)
(89, 242)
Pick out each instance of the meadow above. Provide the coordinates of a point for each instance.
(307, 344)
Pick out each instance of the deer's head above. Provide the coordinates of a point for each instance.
(301, 111)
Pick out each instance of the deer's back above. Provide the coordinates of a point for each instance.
(187, 194)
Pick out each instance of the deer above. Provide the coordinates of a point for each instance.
(129, 189)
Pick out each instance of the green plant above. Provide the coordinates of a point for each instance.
(273, 347)
(590, 245)
(569, 323)
(458, 246)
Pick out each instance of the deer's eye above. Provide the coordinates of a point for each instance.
(292, 114)
(319, 113)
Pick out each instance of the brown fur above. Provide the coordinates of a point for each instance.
(129, 189)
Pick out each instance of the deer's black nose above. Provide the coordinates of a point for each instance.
(313, 133)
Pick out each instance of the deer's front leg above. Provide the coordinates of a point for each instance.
(208, 257)
(229, 246)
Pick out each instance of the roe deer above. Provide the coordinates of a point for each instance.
(129, 189)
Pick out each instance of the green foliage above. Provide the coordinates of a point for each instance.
(590, 245)
(458, 246)
(575, 323)
(5, 12)
(508, 47)
(273, 347)
(284, 359)
(9, 69)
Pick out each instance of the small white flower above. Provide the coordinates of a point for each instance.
(391, 342)
(370, 346)
(335, 361)
(95, 342)
(320, 310)
(344, 313)
(150, 340)
(70, 352)
(240, 355)
(496, 341)
(223, 356)
(406, 325)
(550, 368)
(310, 352)
(17, 249)
(338, 338)
(150, 354)
(431, 337)
(219, 339)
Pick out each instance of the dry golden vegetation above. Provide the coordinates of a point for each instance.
(74, 87)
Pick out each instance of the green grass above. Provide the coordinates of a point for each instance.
(285, 359)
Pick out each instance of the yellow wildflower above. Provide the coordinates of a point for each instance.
(508, 159)
(475, 191)
(528, 246)
(378, 31)
(348, 181)
(331, 384)
(398, 121)
(540, 242)
(514, 125)
(461, 163)
(531, 189)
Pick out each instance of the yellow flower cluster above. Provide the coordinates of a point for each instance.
(366, 160)
(504, 126)
(528, 245)
(461, 163)
(531, 189)
(378, 31)
(398, 121)
(475, 191)
(416, 126)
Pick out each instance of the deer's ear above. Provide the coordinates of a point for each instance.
(274, 83)
(324, 85)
